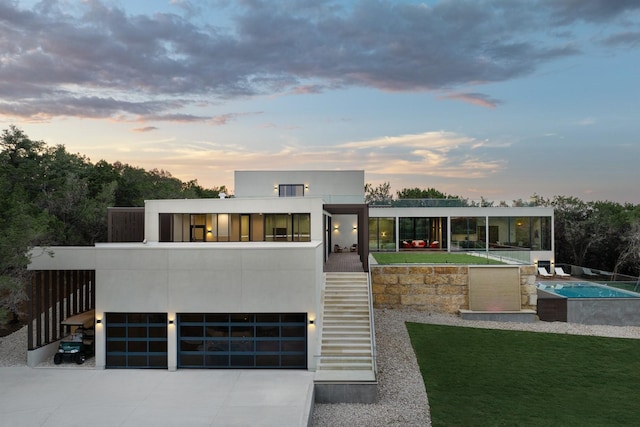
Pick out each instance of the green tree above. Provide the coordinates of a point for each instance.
(579, 227)
(418, 193)
(379, 194)
(49, 196)
(629, 256)
(22, 223)
(193, 190)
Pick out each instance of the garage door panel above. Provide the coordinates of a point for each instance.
(242, 340)
(136, 340)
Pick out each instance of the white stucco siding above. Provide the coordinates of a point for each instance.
(222, 278)
(340, 186)
(271, 278)
(375, 212)
(63, 258)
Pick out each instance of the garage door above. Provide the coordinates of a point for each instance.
(271, 340)
(136, 340)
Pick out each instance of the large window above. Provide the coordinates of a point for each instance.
(414, 228)
(233, 227)
(287, 227)
(533, 233)
(467, 233)
(382, 234)
(423, 232)
(198, 223)
(291, 190)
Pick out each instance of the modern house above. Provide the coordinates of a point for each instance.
(240, 282)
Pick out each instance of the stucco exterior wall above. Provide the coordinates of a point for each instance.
(345, 186)
(344, 230)
(256, 277)
(436, 288)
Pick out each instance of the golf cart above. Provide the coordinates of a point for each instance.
(78, 346)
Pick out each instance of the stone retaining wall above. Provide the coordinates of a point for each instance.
(435, 288)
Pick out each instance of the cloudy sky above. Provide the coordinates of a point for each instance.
(493, 98)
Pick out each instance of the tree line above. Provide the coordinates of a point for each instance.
(50, 197)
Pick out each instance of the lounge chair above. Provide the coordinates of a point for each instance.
(543, 272)
(588, 272)
(560, 272)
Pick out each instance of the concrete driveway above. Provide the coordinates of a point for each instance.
(74, 396)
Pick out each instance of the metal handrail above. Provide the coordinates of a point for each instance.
(374, 350)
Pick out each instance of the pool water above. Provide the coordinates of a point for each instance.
(586, 290)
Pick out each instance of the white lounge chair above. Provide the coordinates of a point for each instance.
(543, 272)
(560, 272)
(588, 272)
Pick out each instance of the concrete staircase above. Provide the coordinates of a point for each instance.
(347, 359)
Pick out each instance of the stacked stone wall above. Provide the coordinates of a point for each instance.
(437, 288)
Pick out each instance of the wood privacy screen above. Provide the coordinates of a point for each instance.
(494, 289)
(125, 225)
(55, 295)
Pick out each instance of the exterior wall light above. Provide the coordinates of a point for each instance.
(311, 321)
(98, 321)
(171, 322)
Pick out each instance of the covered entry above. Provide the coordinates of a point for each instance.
(362, 229)
(266, 340)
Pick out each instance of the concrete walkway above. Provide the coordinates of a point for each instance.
(55, 397)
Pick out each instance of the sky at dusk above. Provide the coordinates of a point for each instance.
(489, 98)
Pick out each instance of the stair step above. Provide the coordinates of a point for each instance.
(364, 297)
(346, 341)
(345, 364)
(346, 346)
(357, 341)
(332, 324)
(342, 363)
(346, 324)
(346, 317)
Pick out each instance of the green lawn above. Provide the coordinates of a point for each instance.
(430, 258)
(486, 377)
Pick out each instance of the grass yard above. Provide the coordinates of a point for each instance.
(487, 377)
(431, 258)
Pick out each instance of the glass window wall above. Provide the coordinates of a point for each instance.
(287, 227)
(468, 233)
(532, 233)
(382, 234)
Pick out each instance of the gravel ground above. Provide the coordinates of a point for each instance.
(402, 399)
(13, 349)
(13, 352)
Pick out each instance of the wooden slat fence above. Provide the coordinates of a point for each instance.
(55, 295)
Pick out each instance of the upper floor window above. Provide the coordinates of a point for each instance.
(291, 190)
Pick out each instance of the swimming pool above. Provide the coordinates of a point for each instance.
(587, 303)
(585, 290)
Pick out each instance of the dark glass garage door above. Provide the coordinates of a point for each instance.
(136, 340)
(264, 341)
